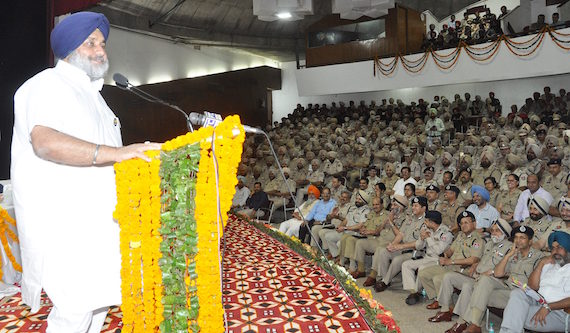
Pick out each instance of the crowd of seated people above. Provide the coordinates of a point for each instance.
(476, 28)
(476, 203)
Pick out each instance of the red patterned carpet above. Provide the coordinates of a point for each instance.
(270, 288)
(267, 288)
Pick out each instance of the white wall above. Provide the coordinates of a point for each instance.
(145, 59)
(506, 74)
(507, 91)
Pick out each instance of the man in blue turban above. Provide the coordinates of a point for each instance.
(484, 213)
(66, 139)
(551, 278)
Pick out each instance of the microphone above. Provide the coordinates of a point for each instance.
(209, 119)
(204, 120)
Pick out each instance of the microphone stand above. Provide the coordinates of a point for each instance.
(150, 98)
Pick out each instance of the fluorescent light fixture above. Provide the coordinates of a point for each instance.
(284, 15)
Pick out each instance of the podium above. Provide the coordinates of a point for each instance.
(171, 212)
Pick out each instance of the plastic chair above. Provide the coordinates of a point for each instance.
(265, 212)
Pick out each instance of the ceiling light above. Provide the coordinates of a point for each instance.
(271, 10)
(284, 15)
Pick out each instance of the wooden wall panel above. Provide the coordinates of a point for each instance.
(403, 35)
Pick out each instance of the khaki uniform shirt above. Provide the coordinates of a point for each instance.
(415, 168)
(480, 174)
(437, 242)
(315, 176)
(466, 246)
(557, 224)
(387, 233)
(492, 255)
(449, 213)
(539, 227)
(356, 216)
(375, 220)
(336, 192)
(411, 228)
(464, 191)
(434, 205)
(332, 168)
(555, 184)
(423, 184)
(390, 181)
(519, 267)
(509, 201)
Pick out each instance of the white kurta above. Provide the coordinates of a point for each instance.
(68, 238)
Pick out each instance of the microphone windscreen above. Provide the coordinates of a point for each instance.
(120, 80)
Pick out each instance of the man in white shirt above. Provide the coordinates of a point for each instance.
(241, 195)
(66, 139)
(534, 188)
(551, 278)
(406, 178)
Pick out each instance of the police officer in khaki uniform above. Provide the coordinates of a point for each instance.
(402, 247)
(351, 227)
(538, 219)
(464, 184)
(432, 195)
(465, 251)
(391, 178)
(493, 252)
(509, 197)
(494, 289)
(426, 181)
(554, 179)
(396, 217)
(376, 222)
(557, 224)
(332, 165)
(451, 208)
(435, 241)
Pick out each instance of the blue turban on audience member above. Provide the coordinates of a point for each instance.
(561, 237)
(73, 30)
(482, 192)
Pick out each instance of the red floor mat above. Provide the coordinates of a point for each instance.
(269, 288)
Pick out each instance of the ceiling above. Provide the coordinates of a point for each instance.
(231, 23)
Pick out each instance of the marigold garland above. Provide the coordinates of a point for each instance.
(154, 210)
(529, 47)
(5, 230)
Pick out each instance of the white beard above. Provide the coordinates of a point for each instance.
(95, 72)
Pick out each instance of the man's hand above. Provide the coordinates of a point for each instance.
(135, 150)
(444, 261)
(540, 316)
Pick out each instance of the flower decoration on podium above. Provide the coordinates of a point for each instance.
(170, 211)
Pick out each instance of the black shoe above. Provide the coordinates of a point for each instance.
(380, 286)
(413, 298)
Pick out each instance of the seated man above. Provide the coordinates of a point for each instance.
(494, 289)
(355, 215)
(465, 251)
(317, 216)
(433, 241)
(351, 228)
(388, 261)
(551, 278)
(538, 220)
(396, 217)
(241, 195)
(258, 199)
(371, 229)
(291, 226)
(334, 219)
(484, 213)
